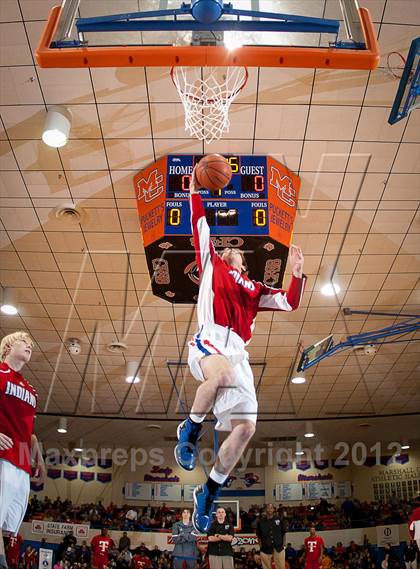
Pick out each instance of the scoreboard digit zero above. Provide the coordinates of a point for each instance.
(254, 212)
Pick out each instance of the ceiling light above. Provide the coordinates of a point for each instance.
(8, 305)
(232, 40)
(328, 277)
(309, 430)
(78, 448)
(62, 425)
(57, 127)
(299, 452)
(405, 446)
(132, 370)
(298, 378)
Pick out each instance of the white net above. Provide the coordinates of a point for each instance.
(206, 94)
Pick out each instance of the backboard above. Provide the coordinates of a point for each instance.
(408, 94)
(164, 33)
(313, 352)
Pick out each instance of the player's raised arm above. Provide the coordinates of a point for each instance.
(288, 300)
(204, 249)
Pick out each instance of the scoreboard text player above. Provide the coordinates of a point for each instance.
(254, 212)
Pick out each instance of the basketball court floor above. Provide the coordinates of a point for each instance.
(73, 258)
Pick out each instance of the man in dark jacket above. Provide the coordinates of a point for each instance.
(185, 539)
(220, 536)
(270, 533)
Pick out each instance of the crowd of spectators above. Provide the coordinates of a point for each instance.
(325, 515)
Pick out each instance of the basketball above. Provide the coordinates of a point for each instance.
(213, 172)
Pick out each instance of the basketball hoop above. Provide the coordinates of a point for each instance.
(206, 94)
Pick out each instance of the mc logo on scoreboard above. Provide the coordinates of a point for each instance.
(150, 188)
(283, 184)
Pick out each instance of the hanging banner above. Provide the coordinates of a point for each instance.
(104, 477)
(70, 474)
(289, 492)
(87, 476)
(54, 473)
(137, 491)
(168, 492)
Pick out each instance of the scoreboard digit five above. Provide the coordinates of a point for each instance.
(254, 212)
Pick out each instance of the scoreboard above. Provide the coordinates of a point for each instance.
(254, 212)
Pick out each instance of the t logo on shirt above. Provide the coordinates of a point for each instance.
(311, 545)
(103, 545)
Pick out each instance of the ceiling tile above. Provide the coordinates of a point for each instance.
(289, 124)
(35, 155)
(129, 154)
(19, 85)
(14, 48)
(323, 120)
(339, 87)
(287, 86)
(9, 11)
(119, 84)
(66, 86)
(125, 120)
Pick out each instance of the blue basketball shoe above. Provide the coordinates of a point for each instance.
(186, 450)
(203, 508)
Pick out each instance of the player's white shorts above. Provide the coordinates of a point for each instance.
(239, 401)
(14, 494)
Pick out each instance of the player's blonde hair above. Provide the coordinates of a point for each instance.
(8, 341)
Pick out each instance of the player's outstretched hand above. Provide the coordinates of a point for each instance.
(5, 442)
(296, 260)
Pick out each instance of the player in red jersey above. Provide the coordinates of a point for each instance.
(141, 561)
(29, 558)
(13, 551)
(414, 523)
(18, 443)
(100, 545)
(314, 549)
(228, 304)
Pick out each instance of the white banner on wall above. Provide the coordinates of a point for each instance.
(45, 558)
(288, 492)
(41, 527)
(318, 490)
(137, 491)
(168, 492)
(387, 535)
(188, 492)
(342, 489)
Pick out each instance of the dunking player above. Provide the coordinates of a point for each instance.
(228, 303)
(18, 444)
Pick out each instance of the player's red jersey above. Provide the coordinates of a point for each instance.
(100, 545)
(414, 525)
(13, 550)
(30, 559)
(313, 548)
(141, 562)
(17, 409)
(235, 299)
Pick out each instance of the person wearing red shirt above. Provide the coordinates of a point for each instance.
(314, 548)
(141, 561)
(18, 443)
(228, 303)
(13, 551)
(29, 558)
(100, 545)
(414, 523)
